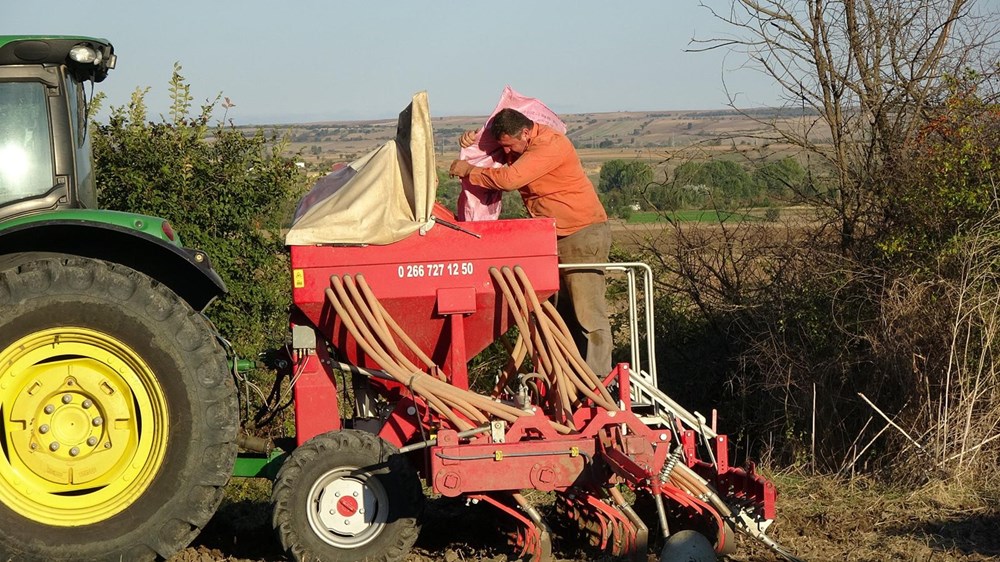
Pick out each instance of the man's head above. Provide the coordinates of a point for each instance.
(510, 127)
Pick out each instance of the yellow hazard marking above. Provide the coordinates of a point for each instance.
(574, 451)
(498, 455)
(298, 278)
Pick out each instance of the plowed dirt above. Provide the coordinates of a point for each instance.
(819, 518)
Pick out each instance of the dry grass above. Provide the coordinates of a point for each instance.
(820, 518)
(825, 518)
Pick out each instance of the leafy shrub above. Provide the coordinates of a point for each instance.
(728, 180)
(224, 192)
(624, 175)
(946, 175)
(780, 178)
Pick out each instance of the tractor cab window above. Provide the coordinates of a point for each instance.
(25, 141)
(87, 189)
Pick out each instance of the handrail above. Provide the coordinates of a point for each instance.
(646, 390)
(628, 268)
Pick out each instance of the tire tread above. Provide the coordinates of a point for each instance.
(190, 508)
(325, 448)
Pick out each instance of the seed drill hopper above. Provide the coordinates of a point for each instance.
(392, 299)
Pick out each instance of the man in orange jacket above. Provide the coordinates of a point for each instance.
(544, 167)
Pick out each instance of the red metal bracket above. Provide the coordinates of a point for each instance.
(316, 406)
(721, 454)
(454, 303)
(533, 542)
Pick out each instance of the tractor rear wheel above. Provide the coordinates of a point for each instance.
(119, 418)
(345, 496)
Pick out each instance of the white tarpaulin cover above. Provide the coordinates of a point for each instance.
(380, 198)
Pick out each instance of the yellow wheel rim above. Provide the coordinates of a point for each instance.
(84, 426)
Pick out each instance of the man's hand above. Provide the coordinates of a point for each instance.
(467, 139)
(459, 168)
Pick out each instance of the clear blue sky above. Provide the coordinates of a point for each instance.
(318, 60)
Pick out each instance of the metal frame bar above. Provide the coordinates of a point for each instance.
(629, 270)
(646, 389)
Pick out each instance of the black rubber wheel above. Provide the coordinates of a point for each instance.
(346, 496)
(119, 416)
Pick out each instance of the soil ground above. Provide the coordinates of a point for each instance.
(819, 519)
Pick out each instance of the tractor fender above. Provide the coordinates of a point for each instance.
(187, 272)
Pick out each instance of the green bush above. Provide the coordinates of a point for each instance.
(946, 176)
(728, 181)
(780, 178)
(624, 175)
(622, 183)
(224, 192)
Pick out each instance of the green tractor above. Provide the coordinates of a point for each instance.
(118, 416)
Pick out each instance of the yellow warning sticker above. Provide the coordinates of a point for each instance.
(298, 278)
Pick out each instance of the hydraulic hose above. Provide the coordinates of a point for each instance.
(529, 301)
(351, 319)
(558, 359)
(545, 337)
(366, 320)
(402, 335)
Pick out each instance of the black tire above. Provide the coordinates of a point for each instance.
(101, 341)
(354, 462)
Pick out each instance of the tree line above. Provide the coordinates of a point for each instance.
(630, 185)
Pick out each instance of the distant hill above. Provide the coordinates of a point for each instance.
(631, 133)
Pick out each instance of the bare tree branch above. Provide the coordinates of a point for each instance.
(867, 68)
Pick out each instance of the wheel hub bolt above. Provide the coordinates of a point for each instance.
(44, 428)
(34, 446)
(92, 441)
(54, 446)
(49, 409)
(98, 421)
(87, 403)
(66, 399)
(74, 451)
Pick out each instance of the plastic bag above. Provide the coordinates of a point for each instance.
(476, 203)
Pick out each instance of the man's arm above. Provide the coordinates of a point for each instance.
(530, 166)
(460, 168)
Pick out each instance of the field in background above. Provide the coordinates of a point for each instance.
(693, 215)
(661, 138)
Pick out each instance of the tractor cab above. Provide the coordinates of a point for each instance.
(46, 161)
(48, 190)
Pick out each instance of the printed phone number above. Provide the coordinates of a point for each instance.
(434, 270)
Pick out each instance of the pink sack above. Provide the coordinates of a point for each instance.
(476, 203)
